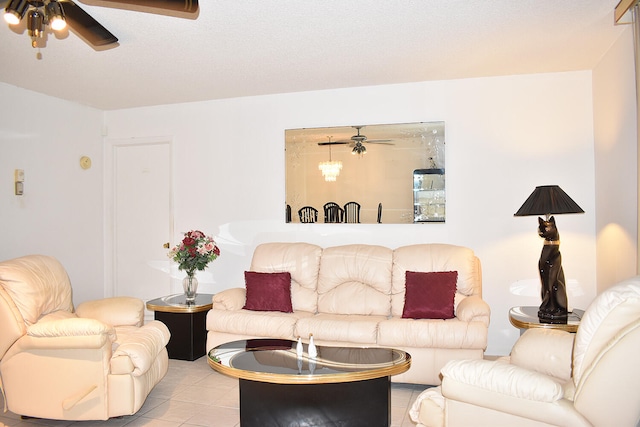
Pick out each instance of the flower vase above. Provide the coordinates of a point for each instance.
(190, 286)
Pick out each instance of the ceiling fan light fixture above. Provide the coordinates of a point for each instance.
(15, 10)
(359, 149)
(35, 23)
(55, 15)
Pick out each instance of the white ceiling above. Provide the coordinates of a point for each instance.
(252, 47)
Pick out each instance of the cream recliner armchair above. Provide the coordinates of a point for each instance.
(92, 364)
(550, 379)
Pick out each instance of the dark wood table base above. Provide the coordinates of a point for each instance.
(351, 404)
(188, 334)
(186, 322)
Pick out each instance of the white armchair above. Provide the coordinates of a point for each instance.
(552, 378)
(92, 364)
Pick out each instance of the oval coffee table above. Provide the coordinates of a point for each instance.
(343, 386)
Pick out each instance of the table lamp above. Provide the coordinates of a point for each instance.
(550, 200)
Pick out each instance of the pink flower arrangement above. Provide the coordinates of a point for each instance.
(194, 252)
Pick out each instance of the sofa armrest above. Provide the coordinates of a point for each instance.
(230, 299)
(140, 348)
(474, 309)
(547, 351)
(504, 378)
(116, 311)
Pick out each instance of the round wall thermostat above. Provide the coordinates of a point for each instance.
(85, 162)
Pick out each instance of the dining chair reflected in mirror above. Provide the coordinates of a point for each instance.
(308, 214)
(352, 212)
(333, 213)
(287, 213)
(379, 213)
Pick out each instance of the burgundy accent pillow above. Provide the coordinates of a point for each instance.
(268, 291)
(429, 295)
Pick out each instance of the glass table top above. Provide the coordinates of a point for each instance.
(274, 360)
(527, 317)
(177, 303)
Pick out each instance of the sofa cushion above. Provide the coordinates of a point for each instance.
(272, 324)
(435, 257)
(431, 333)
(429, 295)
(340, 327)
(268, 291)
(301, 260)
(355, 279)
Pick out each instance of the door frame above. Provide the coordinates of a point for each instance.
(110, 146)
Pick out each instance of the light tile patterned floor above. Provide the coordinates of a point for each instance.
(192, 394)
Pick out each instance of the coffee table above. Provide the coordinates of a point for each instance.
(342, 386)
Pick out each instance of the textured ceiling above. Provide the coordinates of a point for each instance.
(253, 47)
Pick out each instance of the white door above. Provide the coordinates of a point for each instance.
(141, 218)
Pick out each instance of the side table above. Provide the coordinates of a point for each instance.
(186, 322)
(526, 317)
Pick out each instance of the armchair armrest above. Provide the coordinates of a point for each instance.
(547, 351)
(504, 378)
(508, 393)
(64, 334)
(139, 349)
(116, 311)
(474, 309)
(70, 327)
(230, 299)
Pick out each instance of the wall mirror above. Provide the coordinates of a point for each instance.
(395, 174)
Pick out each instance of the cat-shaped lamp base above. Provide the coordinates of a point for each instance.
(554, 292)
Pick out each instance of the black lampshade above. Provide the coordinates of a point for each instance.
(548, 200)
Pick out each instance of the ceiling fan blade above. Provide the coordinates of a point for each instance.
(190, 6)
(379, 141)
(87, 27)
(333, 143)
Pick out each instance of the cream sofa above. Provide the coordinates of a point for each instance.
(93, 363)
(354, 295)
(552, 377)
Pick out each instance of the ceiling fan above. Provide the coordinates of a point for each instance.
(357, 142)
(59, 13)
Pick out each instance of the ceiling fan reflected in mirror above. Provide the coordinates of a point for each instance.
(59, 13)
(357, 142)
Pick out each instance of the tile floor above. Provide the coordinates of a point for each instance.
(192, 394)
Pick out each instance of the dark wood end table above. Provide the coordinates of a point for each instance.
(186, 322)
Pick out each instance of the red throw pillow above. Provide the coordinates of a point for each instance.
(268, 291)
(429, 295)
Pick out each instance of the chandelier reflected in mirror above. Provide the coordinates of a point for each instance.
(331, 169)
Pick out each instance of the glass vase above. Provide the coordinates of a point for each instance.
(190, 286)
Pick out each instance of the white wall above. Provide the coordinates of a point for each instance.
(505, 135)
(60, 213)
(614, 99)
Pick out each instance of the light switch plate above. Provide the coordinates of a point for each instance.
(18, 175)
